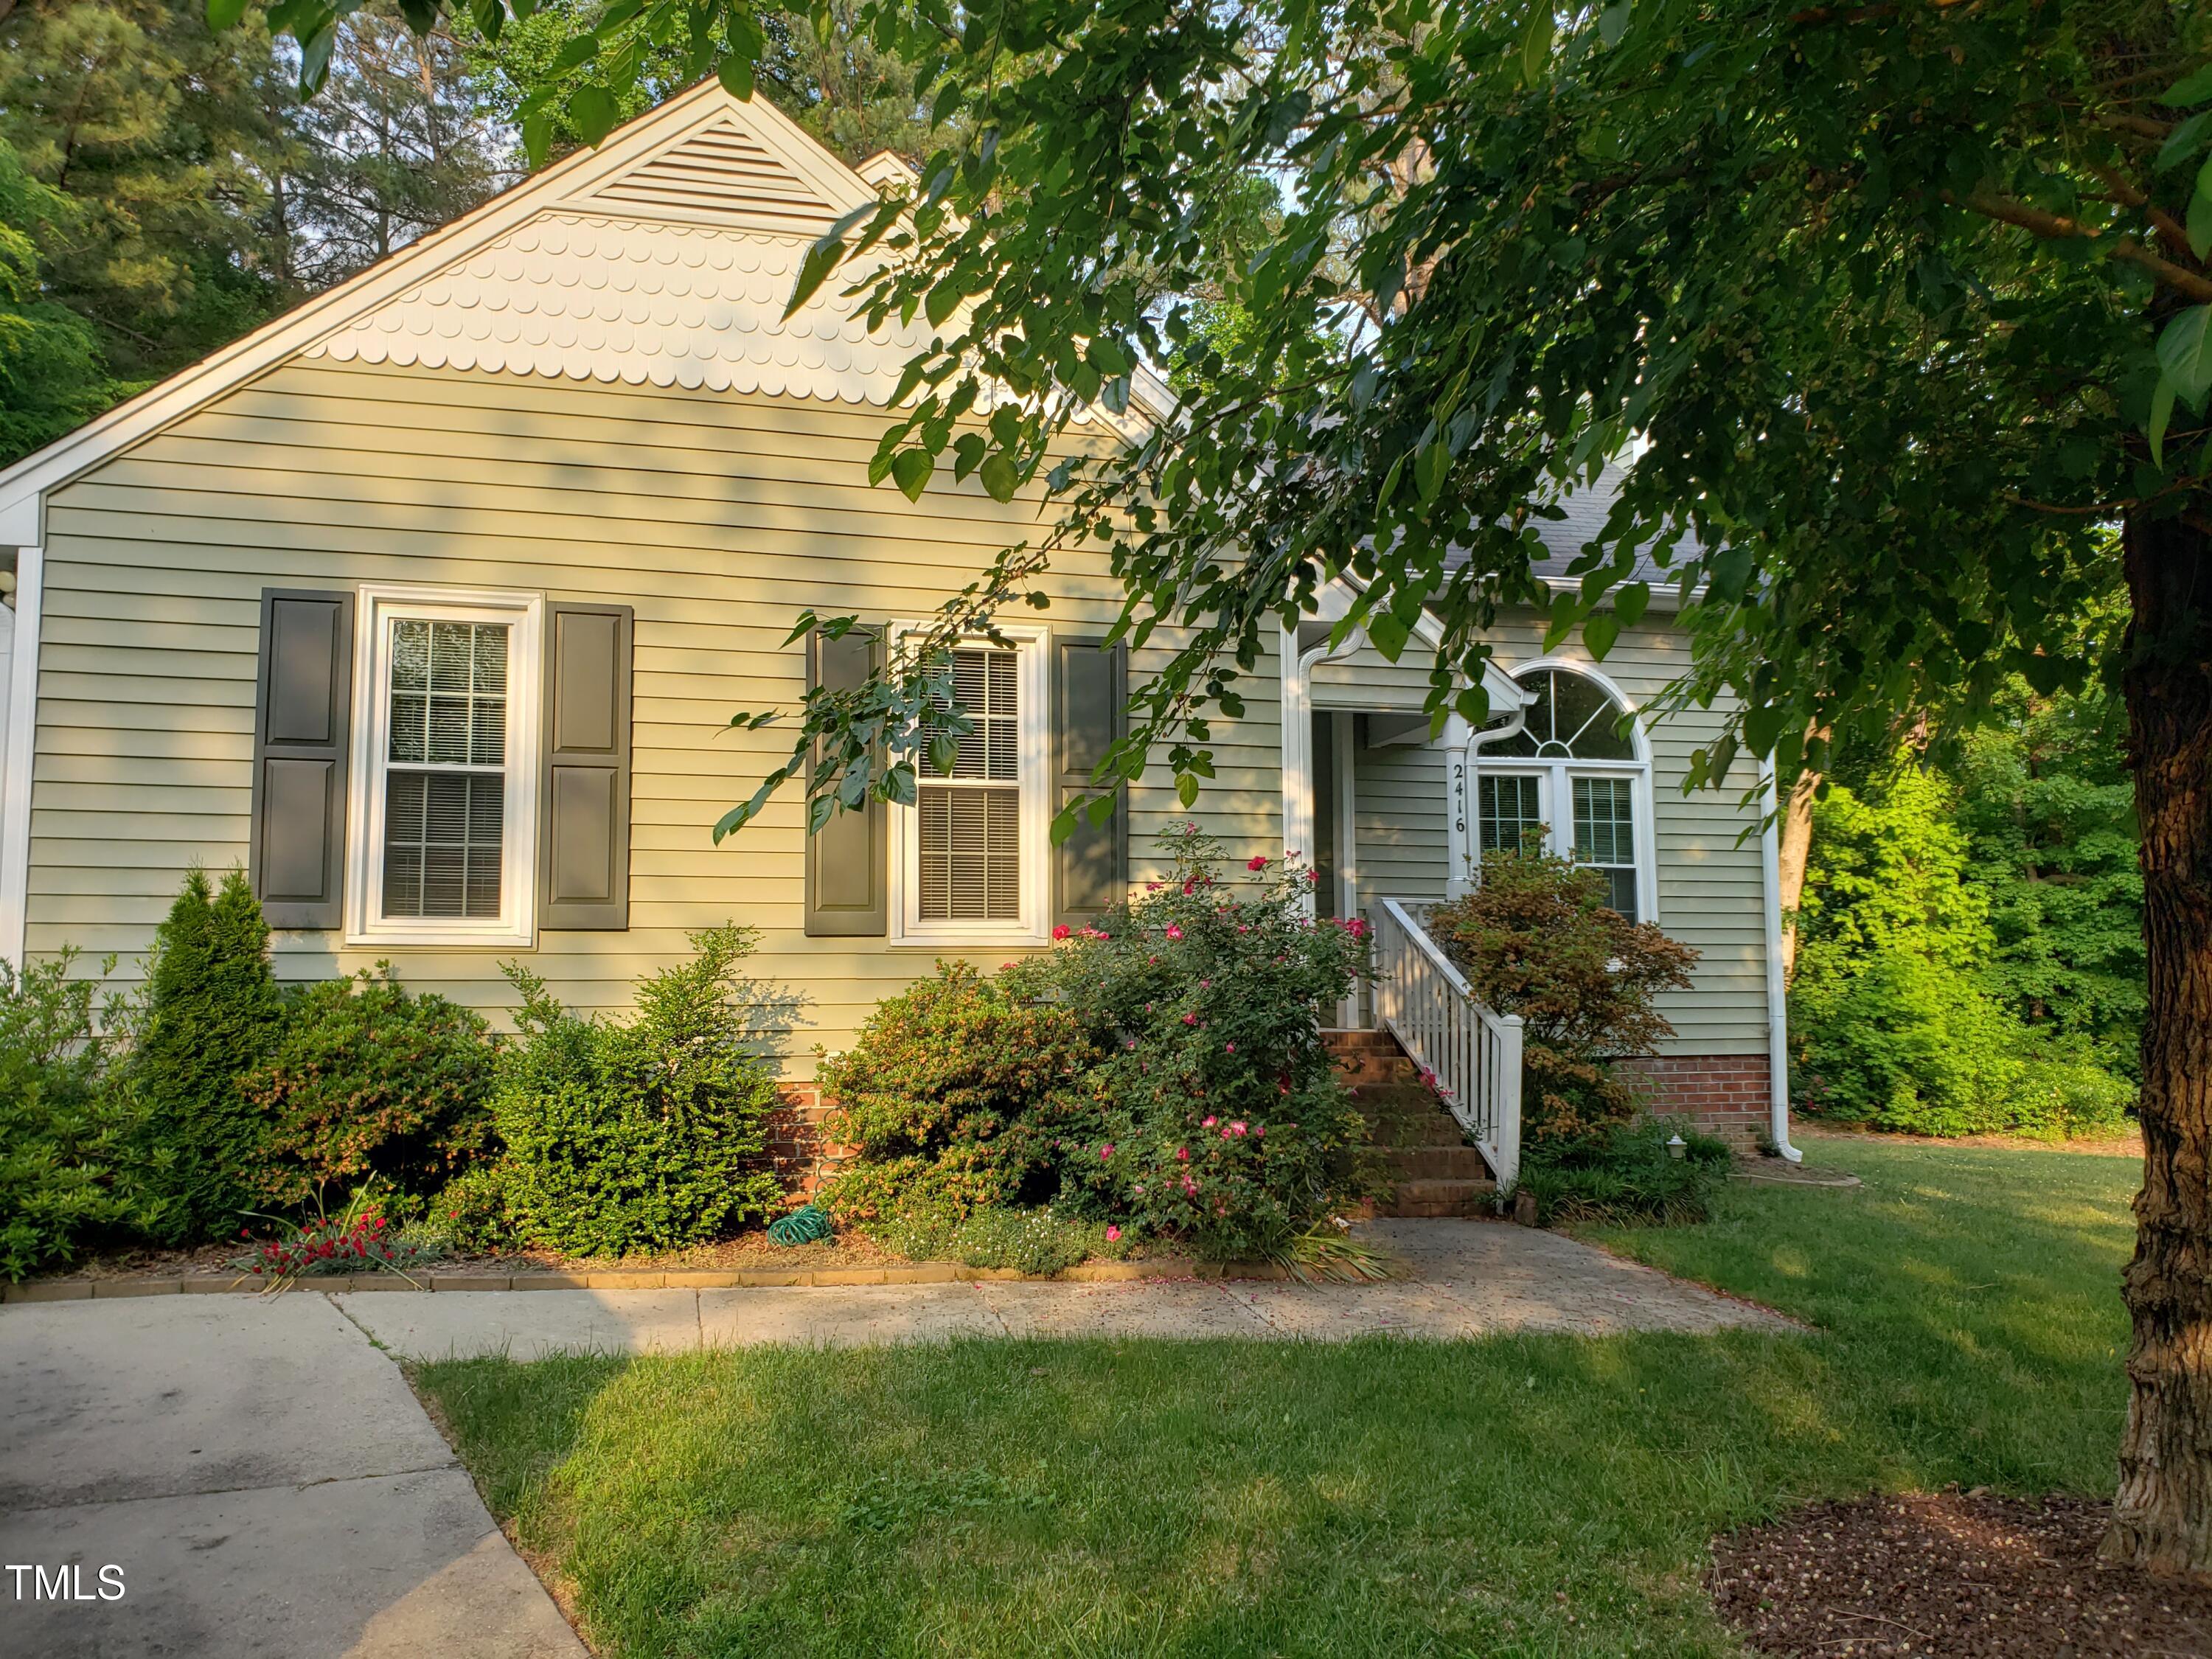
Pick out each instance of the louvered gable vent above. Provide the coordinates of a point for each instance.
(719, 173)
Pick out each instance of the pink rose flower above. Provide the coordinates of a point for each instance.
(1255, 864)
(1238, 1124)
(1112, 1233)
(1190, 1019)
(1183, 1154)
(1063, 931)
(1106, 1152)
(1229, 1048)
(1209, 1123)
(1227, 1133)
(1173, 932)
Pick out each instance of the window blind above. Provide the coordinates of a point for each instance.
(969, 823)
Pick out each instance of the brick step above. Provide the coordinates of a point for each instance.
(1373, 1071)
(1409, 1099)
(1430, 1199)
(1347, 1042)
(1439, 1163)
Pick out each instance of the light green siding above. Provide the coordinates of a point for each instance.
(718, 517)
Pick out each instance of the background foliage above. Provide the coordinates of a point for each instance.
(1971, 945)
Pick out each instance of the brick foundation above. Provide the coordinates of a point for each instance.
(1725, 1095)
(796, 1150)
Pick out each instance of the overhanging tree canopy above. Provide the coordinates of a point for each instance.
(1902, 304)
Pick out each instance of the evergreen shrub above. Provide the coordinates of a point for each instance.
(211, 1012)
(368, 1082)
(638, 1136)
(66, 1184)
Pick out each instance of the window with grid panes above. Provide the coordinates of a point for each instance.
(1511, 811)
(1605, 836)
(446, 770)
(1571, 781)
(969, 823)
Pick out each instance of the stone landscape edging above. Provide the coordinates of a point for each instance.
(682, 1279)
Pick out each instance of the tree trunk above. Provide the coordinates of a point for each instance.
(2162, 1518)
(1793, 853)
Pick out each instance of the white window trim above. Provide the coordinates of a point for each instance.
(1556, 804)
(525, 612)
(1034, 927)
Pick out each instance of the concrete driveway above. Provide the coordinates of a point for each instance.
(261, 1479)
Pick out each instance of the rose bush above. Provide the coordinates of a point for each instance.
(1161, 1073)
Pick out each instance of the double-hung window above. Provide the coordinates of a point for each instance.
(1573, 782)
(447, 687)
(969, 854)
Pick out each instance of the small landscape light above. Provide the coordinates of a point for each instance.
(1677, 1147)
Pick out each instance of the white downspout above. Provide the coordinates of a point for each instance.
(1777, 990)
(1471, 815)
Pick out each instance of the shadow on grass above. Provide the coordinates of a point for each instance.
(1538, 1494)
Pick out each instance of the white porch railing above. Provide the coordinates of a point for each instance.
(1473, 1053)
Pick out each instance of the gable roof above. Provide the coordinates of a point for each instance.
(664, 256)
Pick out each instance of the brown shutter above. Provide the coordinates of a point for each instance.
(303, 704)
(848, 860)
(1090, 694)
(583, 863)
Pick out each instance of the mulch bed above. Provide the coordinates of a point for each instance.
(1950, 1573)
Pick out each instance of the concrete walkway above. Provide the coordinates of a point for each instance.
(1466, 1279)
(263, 1477)
(270, 1488)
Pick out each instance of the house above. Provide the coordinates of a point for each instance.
(429, 603)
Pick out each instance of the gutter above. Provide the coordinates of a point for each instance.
(1777, 991)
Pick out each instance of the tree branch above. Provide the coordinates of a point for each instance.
(2052, 226)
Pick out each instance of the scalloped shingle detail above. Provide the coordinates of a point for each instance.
(586, 297)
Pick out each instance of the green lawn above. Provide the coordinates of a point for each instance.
(1545, 1495)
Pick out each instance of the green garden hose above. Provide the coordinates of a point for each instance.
(809, 1224)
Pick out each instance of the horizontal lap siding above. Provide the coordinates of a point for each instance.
(717, 517)
(1711, 892)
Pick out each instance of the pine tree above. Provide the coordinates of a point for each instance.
(211, 1012)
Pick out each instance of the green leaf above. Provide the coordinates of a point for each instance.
(580, 50)
(944, 300)
(1430, 468)
(1731, 573)
(1001, 475)
(735, 72)
(1599, 632)
(911, 470)
(1187, 789)
(2198, 225)
(591, 111)
(1536, 42)
(1631, 602)
(537, 138)
(222, 13)
(1613, 23)
(2184, 352)
(1389, 634)
(813, 270)
(2193, 89)
(2181, 143)
(2161, 412)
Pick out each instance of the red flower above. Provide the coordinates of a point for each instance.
(1063, 931)
(1255, 864)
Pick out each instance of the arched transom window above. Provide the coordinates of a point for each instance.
(1575, 779)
